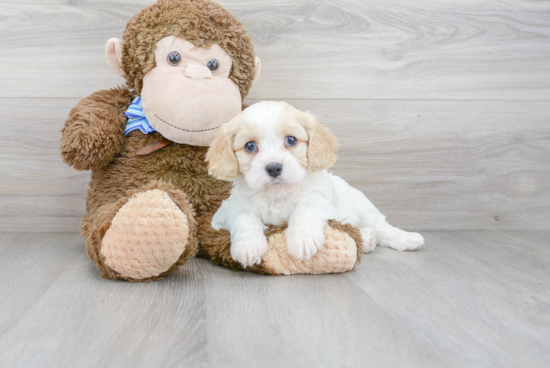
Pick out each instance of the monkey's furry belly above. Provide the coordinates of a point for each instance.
(181, 165)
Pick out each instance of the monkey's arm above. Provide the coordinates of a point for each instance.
(94, 132)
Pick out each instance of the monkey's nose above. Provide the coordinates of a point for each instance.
(197, 72)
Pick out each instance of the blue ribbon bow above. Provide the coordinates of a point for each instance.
(136, 118)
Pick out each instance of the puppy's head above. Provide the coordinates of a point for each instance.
(272, 145)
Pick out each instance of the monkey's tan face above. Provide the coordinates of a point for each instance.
(189, 95)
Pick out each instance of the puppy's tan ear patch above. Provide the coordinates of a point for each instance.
(322, 146)
(222, 162)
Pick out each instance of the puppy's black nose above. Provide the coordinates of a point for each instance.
(274, 170)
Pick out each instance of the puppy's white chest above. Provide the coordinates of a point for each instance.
(277, 216)
(276, 211)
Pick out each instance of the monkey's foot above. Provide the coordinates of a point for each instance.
(148, 237)
(341, 253)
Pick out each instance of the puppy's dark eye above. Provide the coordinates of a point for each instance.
(291, 141)
(174, 58)
(251, 147)
(212, 65)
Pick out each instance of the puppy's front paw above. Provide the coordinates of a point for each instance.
(402, 240)
(248, 248)
(303, 243)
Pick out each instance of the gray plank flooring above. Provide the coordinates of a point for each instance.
(470, 298)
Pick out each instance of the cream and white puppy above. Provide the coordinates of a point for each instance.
(277, 157)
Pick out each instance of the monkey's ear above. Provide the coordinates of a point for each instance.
(113, 52)
(322, 145)
(222, 162)
(257, 69)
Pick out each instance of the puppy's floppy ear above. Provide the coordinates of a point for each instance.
(322, 146)
(222, 162)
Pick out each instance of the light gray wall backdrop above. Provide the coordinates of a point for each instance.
(442, 107)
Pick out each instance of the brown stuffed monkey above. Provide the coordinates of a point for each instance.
(188, 65)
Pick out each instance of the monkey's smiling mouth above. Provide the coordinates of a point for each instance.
(187, 130)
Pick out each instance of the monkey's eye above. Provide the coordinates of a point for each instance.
(251, 147)
(174, 58)
(212, 65)
(291, 141)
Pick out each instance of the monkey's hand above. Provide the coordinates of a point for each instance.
(94, 132)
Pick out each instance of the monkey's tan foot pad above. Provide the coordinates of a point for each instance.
(146, 237)
(341, 253)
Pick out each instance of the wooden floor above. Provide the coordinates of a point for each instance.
(470, 298)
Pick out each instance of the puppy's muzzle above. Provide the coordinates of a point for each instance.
(274, 169)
